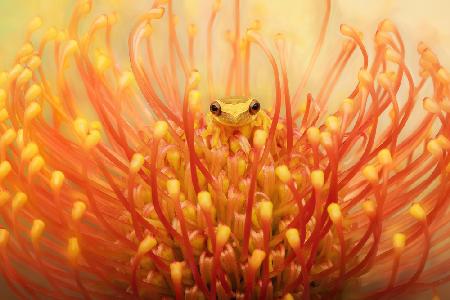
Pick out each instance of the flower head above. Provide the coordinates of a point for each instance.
(116, 183)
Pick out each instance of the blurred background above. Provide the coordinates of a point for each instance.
(299, 20)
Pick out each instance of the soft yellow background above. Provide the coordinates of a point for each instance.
(426, 20)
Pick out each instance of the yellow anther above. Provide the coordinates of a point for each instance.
(160, 129)
(173, 187)
(443, 141)
(73, 250)
(365, 78)
(288, 297)
(78, 210)
(102, 63)
(334, 211)
(35, 24)
(36, 165)
(370, 172)
(15, 72)
(393, 56)
(26, 50)
(256, 259)
(204, 200)
(34, 62)
(146, 245)
(347, 106)
(71, 48)
(176, 271)
(126, 80)
(194, 79)
(242, 166)
(95, 125)
(326, 139)
(369, 207)
(387, 26)
(385, 81)
(333, 123)
(37, 228)
(416, 210)
(4, 198)
(431, 105)
(33, 93)
(32, 111)
(3, 96)
(5, 168)
(259, 138)
(4, 238)
(443, 75)
(24, 77)
(384, 157)
(283, 173)
(174, 158)
(57, 180)
(347, 30)
(317, 179)
(18, 201)
(81, 127)
(434, 147)
(8, 137)
(313, 134)
(266, 211)
(222, 235)
(137, 161)
(293, 238)
(399, 241)
(4, 115)
(30, 151)
(92, 139)
(194, 100)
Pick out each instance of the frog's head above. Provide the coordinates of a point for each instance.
(234, 111)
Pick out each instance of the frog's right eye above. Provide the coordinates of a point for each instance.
(215, 108)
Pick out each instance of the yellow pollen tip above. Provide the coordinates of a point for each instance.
(34, 62)
(15, 72)
(102, 63)
(256, 259)
(19, 200)
(431, 106)
(266, 211)
(8, 137)
(399, 241)
(176, 271)
(369, 207)
(35, 24)
(26, 50)
(443, 75)
(92, 139)
(33, 93)
(137, 161)
(160, 129)
(78, 210)
(365, 78)
(293, 238)
(317, 179)
(416, 210)
(288, 297)
(334, 211)
(443, 142)
(30, 151)
(387, 26)
(283, 173)
(313, 134)
(434, 147)
(174, 158)
(3, 96)
(4, 198)
(173, 187)
(204, 200)
(24, 77)
(370, 172)
(57, 180)
(146, 245)
(385, 81)
(325, 139)
(32, 111)
(5, 168)
(126, 80)
(192, 30)
(384, 157)
(36, 165)
(4, 238)
(347, 106)
(37, 228)
(81, 127)
(259, 138)
(73, 250)
(222, 235)
(4, 115)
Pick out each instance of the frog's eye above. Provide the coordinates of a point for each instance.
(215, 108)
(254, 107)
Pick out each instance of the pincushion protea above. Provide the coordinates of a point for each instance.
(149, 199)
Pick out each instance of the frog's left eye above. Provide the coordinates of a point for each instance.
(254, 107)
(215, 108)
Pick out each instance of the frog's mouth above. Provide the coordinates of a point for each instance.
(227, 119)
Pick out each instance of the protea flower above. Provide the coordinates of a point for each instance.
(116, 184)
